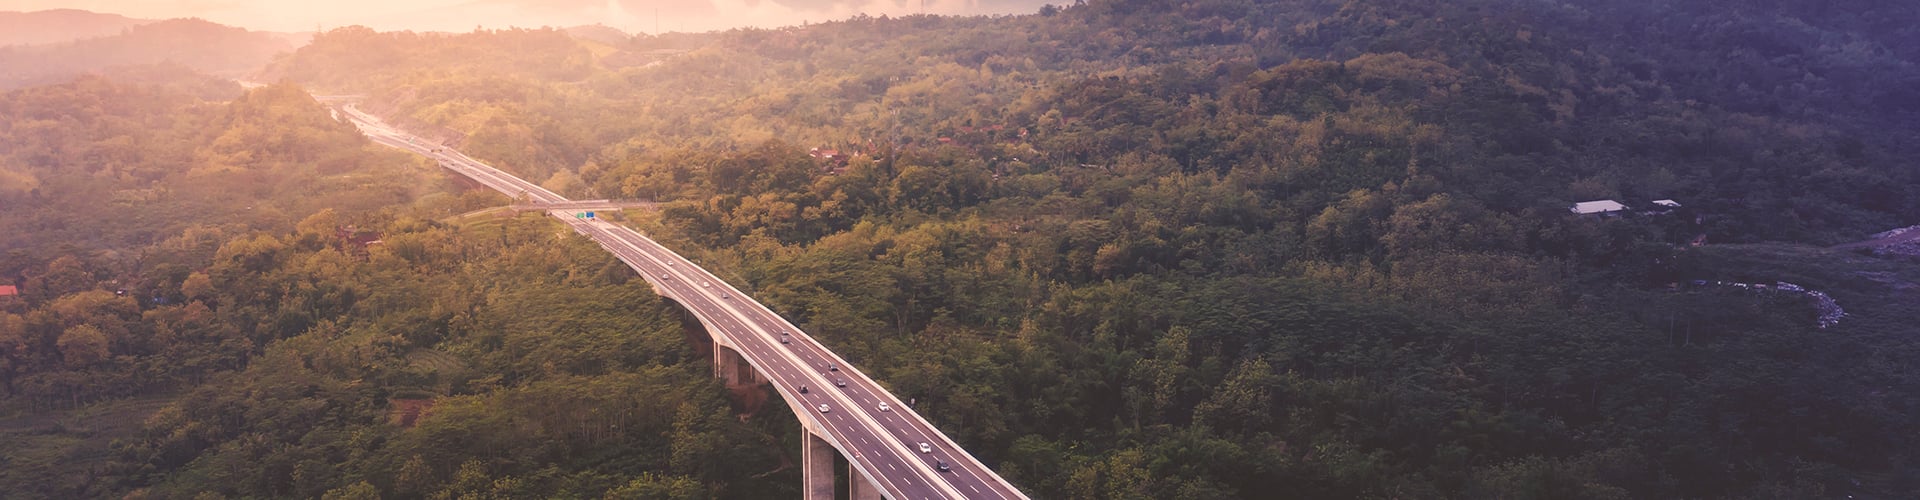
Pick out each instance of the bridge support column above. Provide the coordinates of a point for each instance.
(816, 461)
(861, 487)
(730, 366)
(726, 364)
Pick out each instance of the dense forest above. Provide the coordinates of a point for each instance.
(264, 275)
(1119, 249)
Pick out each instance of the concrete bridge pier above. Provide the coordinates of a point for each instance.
(861, 489)
(730, 366)
(818, 455)
(816, 461)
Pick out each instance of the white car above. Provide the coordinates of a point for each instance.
(885, 407)
(924, 447)
(824, 409)
(706, 284)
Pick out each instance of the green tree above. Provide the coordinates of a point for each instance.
(83, 346)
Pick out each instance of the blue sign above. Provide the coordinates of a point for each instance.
(589, 215)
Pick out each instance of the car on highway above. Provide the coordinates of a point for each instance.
(666, 276)
(839, 382)
(803, 389)
(824, 408)
(924, 447)
(942, 465)
(885, 407)
(833, 367)
(785, 339)
(706, 284)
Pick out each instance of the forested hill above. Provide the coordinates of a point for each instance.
(203, 46)
(227, 297)
(1226, 248)
(60, 25)
(1122, 249)
(1784, 121)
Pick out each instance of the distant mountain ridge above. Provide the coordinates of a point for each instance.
(600, 33)
(193, 43)
(61, 25)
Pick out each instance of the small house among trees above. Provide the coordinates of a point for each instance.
(1662, 207)
(1604, 208)
(354, 240)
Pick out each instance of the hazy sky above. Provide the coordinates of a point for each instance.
(464, 15)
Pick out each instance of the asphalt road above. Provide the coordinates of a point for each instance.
(884, 445)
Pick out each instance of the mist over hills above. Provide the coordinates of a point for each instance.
(60, 25)
(197, 44)
(633, 16)
(600, 33)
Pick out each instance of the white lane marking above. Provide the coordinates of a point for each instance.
(976, 491)
(890, 466)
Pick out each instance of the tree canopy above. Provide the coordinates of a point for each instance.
(1122, 248)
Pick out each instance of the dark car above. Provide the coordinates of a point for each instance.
(942, 465)
(803, 389)
(785, 339)
(833, 367)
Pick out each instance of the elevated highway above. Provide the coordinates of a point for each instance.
(588, 205)
(892, 450)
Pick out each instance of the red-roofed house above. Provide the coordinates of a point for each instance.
(9, 290)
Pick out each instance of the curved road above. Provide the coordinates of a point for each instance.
(882, 444)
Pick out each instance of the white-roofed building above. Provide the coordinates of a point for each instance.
(1667, 203)
(1598, 207)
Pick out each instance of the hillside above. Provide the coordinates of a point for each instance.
(1351, 218)
(199, 271)
(1120, 249)
(60, 25)
(600, 33)
(203, 46)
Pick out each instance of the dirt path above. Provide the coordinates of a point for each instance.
(1910, 235)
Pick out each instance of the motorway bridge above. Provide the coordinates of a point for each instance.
(892, 451)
